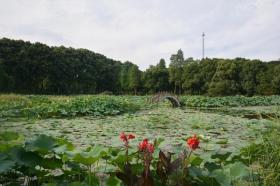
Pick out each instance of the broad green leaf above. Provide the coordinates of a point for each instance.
(195, 171)
(98, 151)
(6, 165)
(60, 149)
(238, 170)
(3, 156)
(113, 181)
(195, 160)
(120, 160)
(137, 169)
(211, 166)
(51, 163)
(76, 184)
(90, 157)
(22, 157)
(8, 136)
(221, 155)
(222, 177)
(64, 142)
(85, 158)
(42, 144)
(158, 141)
(92, 180)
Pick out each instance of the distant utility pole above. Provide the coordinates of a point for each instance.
(203, 35)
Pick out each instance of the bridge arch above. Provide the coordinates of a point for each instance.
(174, 100)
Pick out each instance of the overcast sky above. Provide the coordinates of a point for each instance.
(143, 31)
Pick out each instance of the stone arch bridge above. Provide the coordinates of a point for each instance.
(160, 96)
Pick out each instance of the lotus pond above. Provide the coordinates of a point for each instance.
(218, 131)
(85, 121)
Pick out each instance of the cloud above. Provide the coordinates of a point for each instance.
(145, 31)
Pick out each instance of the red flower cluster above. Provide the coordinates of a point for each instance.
(145, 146)
(125, 137)
(193, 142)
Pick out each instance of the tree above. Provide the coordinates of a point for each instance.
(192, 80)
(6, 82)
(134, 77)
(225, 80)
(276, 80)
(35, 68)
(264, 80)
(38, 68)
(124, 78)
(176, 69)
(156, 77)
(162, 76)
(248, 76)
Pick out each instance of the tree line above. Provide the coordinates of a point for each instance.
(35, 68)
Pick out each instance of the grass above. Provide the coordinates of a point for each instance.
(265, 157)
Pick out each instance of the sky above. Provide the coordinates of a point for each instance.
(143, 31)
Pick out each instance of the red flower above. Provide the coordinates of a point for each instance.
(123, 137)
(193, 142)
(145, 146)
(150, 148)
(131, 136)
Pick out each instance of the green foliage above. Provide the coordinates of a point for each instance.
(38, 68)
(176, 70)
(6, 82)
(35, 68)
(13, 106)
(232, 101)
(156, 78)
(276, 80)
(46, 107)
(51, 161)
(264, 157)
(9, 139)
(40, 163)
(230, 173)
(124, 80)
(221, 77)
(134, 78)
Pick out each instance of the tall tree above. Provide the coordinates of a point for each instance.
(264, 80)
(156, 77)
(276, 80)
(192, 80)
(248, 75)
(225, 79)
(176, 69)
(124, 79)
(6, 82)
(134, 77)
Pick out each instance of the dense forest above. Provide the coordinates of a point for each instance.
(35, 68)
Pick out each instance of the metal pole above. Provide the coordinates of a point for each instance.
(203, 35)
